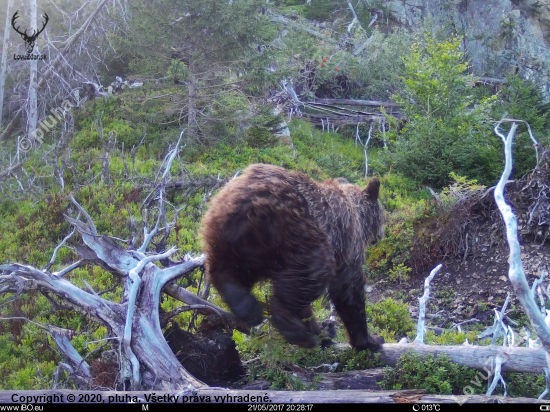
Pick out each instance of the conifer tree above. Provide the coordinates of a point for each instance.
(204, 44)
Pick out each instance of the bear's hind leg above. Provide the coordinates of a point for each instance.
(289, 320)
(300, 277)
(309, 320)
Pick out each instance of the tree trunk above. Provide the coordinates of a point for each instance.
(32, 96)
(4, 62)
(192, 110)
(157, 366)
(516, 274)
(149, 344)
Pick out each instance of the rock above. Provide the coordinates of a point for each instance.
(109, 356)
(459, 309)
(257, 385)
(503, 278)
(283, 132)
(500, 36)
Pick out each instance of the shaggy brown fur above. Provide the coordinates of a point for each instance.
(305, 236)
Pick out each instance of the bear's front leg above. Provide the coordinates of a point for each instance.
(347, 292)
(242, 303)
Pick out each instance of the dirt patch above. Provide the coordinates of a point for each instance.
(477, 272)
(210, 354)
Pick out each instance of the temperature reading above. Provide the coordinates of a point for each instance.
(428, 407)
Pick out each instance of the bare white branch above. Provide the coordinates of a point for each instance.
(176, 271)
(91, 225)
(499, 360)
(516, 273)
(69, 268)
(54, 254)
(422, 306)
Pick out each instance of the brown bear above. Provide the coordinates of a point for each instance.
(271, 223)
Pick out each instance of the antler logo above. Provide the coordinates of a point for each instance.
(29, 40)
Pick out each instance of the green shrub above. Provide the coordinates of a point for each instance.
(450, 337)
(321, 9)
(399, 234)
(435, 375)
(399, 272)
(528, 385)
(440, 375)
(446, 129)
(390, 319)
(269, 356)
(522, 99)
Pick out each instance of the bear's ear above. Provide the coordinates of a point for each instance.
(373, 188)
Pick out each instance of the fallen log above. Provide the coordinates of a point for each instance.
(10, 169)
(348, 119)
(518, 359)
(367, 380)
(353, 102)
(363, 379)
(476, 357)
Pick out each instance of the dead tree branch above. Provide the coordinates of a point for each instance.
(147, 361)
(515, 272)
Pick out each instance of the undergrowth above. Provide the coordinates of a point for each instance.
(30, 228)
(439, 375)
(271, 358)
